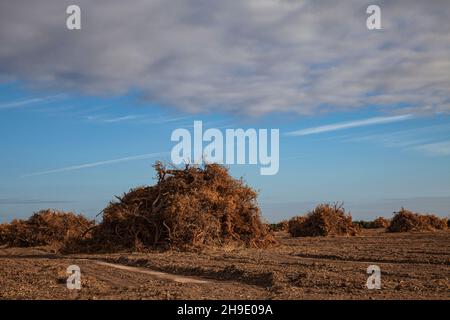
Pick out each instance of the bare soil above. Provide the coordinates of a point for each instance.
(413, 266)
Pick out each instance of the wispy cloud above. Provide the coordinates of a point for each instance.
(350, 124)
(434, 149)
(120, 119)
(422, 139)
(137, 119)
(109, 119)
(96, 164)
(26, 102)
(162, 120)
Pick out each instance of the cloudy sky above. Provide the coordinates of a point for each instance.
(363, 114)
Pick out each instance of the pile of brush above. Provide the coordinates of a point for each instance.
(46, 227)
(295, 225)
(189, 207)
(379, 222)
(405, 220)
(279, 226)
(324, 220)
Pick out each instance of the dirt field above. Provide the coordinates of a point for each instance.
(413, 266)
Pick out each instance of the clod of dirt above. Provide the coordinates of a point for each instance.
(189, 207)
(405, 220)
(46, 227)
(324, 220)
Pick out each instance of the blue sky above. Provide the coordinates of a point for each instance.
(373, 168)
(364, 115)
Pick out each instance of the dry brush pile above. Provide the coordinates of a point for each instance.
(324, 220)
(280, 226)
(46, 227)
(295, 225)
(379, 222)
(405, 220)
(189, 207)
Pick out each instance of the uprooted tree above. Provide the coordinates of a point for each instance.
(189, 207)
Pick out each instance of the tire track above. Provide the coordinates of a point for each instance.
(155, 274)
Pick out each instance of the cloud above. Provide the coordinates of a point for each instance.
(247, 57)
(22, 103)
(434, 149)
(136, 119)
(120, 119)
(96, 164)
(350, 124)
(426, 140)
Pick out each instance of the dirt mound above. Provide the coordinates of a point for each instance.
(405, 220)
(189, 207)
(324, 220)
(46, 227)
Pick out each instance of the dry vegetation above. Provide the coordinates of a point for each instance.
(324, 220)
(378, 223)
(280, 226)
(46, 227)
(404, 221)
(295, 224)
(190, 207)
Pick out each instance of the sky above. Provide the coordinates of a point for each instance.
(363, 114)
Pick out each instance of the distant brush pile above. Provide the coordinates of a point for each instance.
(46, 227)
(279, 226)
(189, 207)
(324, 220)
(295, 225)
(404, 221)
(379, 222)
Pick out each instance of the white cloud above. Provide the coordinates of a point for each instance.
(26, 102)
(350, 124)
(434, 149)
(249, 57)
(120, 119)
(96, 164)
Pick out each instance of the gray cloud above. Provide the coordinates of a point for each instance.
(251, 57)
